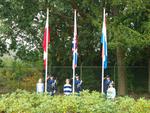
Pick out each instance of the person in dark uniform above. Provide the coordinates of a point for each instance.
(78, 84)
(107, 82)
(51, 85)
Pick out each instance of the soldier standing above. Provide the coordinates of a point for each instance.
(78, 84)
(51, 85)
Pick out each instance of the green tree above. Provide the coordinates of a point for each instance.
(128, 26)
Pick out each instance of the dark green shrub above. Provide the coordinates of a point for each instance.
(25, 102)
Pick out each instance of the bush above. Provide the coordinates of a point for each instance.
(22, 101)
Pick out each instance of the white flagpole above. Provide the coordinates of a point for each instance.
(74, 47)
(73, 81)
(47, 22)
(102, 88)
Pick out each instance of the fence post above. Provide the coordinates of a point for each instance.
(149, 76)
(81, 71)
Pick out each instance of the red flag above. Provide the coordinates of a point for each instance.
(45, 44)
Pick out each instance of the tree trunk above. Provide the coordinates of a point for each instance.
(121, 72)
(149, 76)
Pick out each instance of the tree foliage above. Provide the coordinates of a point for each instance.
(22, 23)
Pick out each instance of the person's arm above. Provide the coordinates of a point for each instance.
(81, 82)
(114, 93)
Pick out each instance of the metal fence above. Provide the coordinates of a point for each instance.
(26, 78)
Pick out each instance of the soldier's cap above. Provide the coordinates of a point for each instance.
(107, 76)
(77, 75)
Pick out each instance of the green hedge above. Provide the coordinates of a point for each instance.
(26, 102)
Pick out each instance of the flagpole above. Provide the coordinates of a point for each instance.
(102, 88)
(74, 49)
(47, 20)
(73, 81)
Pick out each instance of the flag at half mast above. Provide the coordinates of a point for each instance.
(74, 44)
(104, 43)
